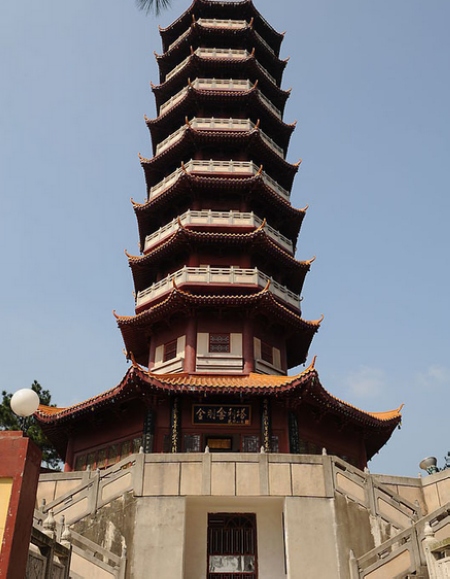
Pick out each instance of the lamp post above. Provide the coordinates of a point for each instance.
(430, 464)
(24, 404)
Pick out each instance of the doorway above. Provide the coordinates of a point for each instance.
(232, 551)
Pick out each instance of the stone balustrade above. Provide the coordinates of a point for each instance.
(218, 124)
(220, 168)
(220, 84)
(217, 276)
(216, 219)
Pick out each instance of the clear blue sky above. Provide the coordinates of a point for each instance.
(370, 91)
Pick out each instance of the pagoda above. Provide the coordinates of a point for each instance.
(218, 322)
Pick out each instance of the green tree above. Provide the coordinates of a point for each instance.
(9, 421)
(156, 5)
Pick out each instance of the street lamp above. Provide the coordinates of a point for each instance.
(430, 464)
(24, 403)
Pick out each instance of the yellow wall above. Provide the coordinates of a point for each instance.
(5, 495)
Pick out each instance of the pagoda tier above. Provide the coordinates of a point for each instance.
(221, 11)
(184, 314)
(257, 195)
(235, 64)
(316, 418)
(221, 34)
(255, 249)
(252, 146)
(220, 99)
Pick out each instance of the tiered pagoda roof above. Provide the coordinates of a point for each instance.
(304, 388)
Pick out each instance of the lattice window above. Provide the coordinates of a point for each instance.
(192, 443)
(250, 444)
(266, 352)
(170, 350)
(219, 343)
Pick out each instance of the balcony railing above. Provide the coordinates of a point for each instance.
(240, 168)
(216, 219)
(217, 277)
(217, 23)
(185, 33)
(212, 23)
(221, 84)
(229, 53)
(218, 125)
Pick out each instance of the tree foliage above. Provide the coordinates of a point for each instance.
(156, 5)
(9, 421)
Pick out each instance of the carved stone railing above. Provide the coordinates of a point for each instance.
(220, 84)
(233, 219)
(229, 53)
(217, 124)
(47, 557)
(218, 168)
(222, 23)
(218, 277)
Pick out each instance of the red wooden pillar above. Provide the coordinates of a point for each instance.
(247, 347)
(19, 473)
(191, 346)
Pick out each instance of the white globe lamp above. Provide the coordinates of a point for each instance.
(24, 402)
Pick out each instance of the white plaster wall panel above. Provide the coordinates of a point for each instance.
(247, 479)
(310, 539)
(161, 479)
(181, 344)
(159, 354)
(223, 478)
(158, 539)
(202, 344)
(191, 478)
(236, 344)
(280, 479)
(308, 480)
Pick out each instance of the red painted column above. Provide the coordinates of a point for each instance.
(247, 347)
(191, 346)
(151, 353)
(68, 463)
(19, 472)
